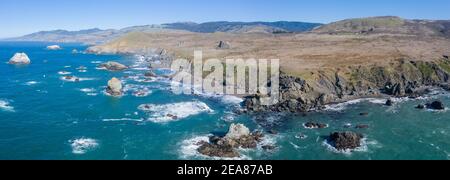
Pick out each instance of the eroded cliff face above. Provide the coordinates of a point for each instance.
(403, 78)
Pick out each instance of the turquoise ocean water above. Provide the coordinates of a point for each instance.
(44, 117)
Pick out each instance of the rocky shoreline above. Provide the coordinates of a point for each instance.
(404, 79)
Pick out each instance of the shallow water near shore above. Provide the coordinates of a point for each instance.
(45, 117)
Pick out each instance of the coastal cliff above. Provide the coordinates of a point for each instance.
(401, 79)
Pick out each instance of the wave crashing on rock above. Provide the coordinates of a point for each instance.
(174, 112)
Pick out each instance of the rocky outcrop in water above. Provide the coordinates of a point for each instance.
(238, 136)
(345, 140)
(113, 66)
(150, 74)
(20, 58)
(436, 105)
(400, 79)
(313, 125)
(114, 87)
(54, 47)
(389, 102)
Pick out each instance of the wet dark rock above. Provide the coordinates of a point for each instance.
(150, 74)
(445, 86)
(436, 105)
(364, 114)
(215, 150)
(345, 140)
(395, 89)
(313, 125)
(268, 147)
(301, 136)
(172, 116)
(272, 132)
(362, 126)
(420, 106)
(389, 102)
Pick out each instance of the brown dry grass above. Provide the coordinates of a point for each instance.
(299, 53)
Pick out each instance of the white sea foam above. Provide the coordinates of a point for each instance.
(123, 119)
(141, 69)
(174, 112)
(64, 73)
(190, 146)
(137, 90)
(142, 93)
(70, 79)
(87, 90)
(231, 99)
(83, 145)
(4, 105)
(304, 126)
(363, 148)
(228, 117)
(76, 79)
(30, 83)
(96, 62)
(344, 105)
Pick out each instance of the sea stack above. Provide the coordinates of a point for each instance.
(54, 47)
(20, 58)
(114, 87)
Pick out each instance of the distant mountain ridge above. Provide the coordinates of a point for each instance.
(362, 26)
(225, 26)
(97, 36)
(387, 25)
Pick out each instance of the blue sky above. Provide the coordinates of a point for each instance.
(19, 17)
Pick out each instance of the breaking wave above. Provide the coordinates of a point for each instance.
(83, 145)
(174, 112)
(4, 105)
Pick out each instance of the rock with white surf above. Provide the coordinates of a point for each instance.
(115, 87)
(237, 131)
(237, 137)
(20, 58)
